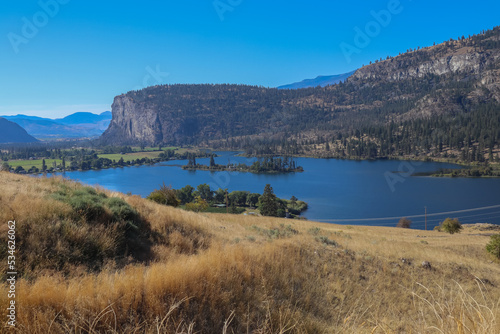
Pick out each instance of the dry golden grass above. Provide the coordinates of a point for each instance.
(217, 273)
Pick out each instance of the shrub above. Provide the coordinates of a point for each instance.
(404, 223)
(451, 226)
(158, 197)
(328, 242)
(121, 210)
(277, 233)
(87, 206)
(199, 205)
(165, 195)
(314, 231)
(493, 246)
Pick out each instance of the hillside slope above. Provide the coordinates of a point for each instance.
(101, 261)
(11, 132)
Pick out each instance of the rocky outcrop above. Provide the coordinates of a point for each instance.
(464, 61)
(133, 122)
(473, 59)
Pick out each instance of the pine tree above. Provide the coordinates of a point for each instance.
(268, 204)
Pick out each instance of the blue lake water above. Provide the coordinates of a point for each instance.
(340, 191)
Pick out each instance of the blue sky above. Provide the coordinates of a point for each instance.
(62, 56)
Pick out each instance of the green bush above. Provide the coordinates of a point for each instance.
(198, 205)
(451, 226)
(493, 246)
(165, 195)
(158, 197)
(121, 210)
(86, 202)
(87, 206)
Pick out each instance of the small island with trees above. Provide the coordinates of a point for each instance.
(262, 165)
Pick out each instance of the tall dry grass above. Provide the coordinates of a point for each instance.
(213, 273)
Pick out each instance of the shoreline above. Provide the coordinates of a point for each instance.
(466, 166)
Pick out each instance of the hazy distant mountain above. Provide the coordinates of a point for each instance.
(11, 132)
(77, 125)
(322, 80)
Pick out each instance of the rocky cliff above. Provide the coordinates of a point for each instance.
(134, 121)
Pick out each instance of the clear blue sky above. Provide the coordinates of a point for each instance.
(86, 52)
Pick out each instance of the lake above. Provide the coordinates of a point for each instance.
(340, 191)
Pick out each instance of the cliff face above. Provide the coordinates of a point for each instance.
(133, 122)
(446, 79)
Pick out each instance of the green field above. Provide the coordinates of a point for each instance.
(131, 156)
(27, 164)
(151, 149)
(150, 152)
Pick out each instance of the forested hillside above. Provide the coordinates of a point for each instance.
(442, 100)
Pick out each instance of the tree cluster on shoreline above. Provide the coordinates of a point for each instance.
(481, 171)
(204, 199)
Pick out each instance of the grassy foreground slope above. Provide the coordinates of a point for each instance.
(93, 261)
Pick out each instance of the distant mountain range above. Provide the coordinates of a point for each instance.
(322, 81)
(77, 125)
(11, 132)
